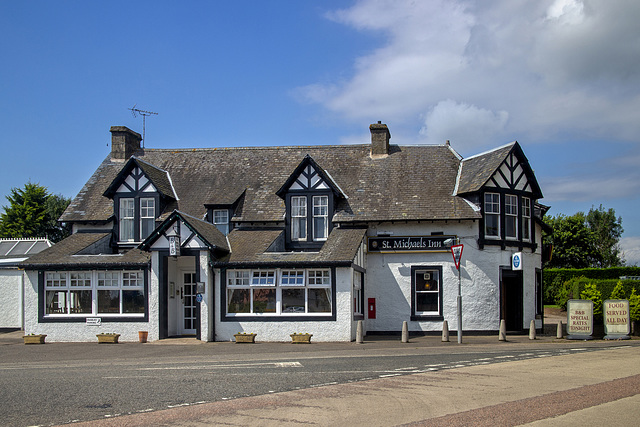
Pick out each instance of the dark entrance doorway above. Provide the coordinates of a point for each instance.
(511, 299)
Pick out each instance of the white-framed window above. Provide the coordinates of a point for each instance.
(127, 219)
(90, 293)
(221, 220)
(427, 291)
(299, 218)
(357, 294)
(279, 292)
(320, 217)
(492, 215)
(526, 219)
(147, 217)
(511, 216)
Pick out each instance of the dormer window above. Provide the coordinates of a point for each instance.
(127, 223)
(221, 220)
(309, 196)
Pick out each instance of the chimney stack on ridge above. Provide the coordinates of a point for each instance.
(379, 140)
(124, 143)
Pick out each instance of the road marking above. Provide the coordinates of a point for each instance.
(230, 366)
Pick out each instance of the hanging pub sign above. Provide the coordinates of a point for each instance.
(408, 243)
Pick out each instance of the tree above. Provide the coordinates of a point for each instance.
(582, 241)
(607, 230)
(33, 212)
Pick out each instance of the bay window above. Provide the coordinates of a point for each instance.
(90, 293)
(279, 292)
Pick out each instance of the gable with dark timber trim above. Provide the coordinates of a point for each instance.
(309, 176)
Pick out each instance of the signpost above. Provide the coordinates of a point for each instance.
(456, 251)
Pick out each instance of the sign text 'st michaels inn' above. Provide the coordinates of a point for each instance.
(210, 242)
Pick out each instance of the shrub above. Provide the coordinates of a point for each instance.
(618, 291)
(634, 305)
(592, 293)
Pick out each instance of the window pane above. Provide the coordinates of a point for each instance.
(132, 301)
(427, 301)
(238, 301)
(108, 278)
(221, 220)
(264, 300)
(292, 278)
(238, 277)
(80, 301)
(56, 302)
(319, 277)
(80, 279)
(510, 226)
(109, 301)
(320, 300)
(132, 278)
(55, 280)
(427, 280)
(491, 224)
(263, 278)
(293, 300)
(320, 217)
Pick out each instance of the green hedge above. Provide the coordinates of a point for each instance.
(572, 289)
(554, 278)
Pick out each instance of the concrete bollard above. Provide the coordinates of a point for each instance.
(532, 330)
(405, 332)
(502, 336)
(559, 334)
(359, 333)
(445, 331)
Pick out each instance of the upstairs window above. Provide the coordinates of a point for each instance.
(127, 218)
(221, 220)
(492, 215)
(526, 219)
(147, 217)
(320, 217)
(299, 218)
(511, 216)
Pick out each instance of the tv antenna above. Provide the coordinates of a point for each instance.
(135, 111)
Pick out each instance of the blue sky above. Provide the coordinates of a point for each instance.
(562, 77)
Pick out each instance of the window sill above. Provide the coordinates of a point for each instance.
(419, 317)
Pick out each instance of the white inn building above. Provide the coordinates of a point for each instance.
(277, 240)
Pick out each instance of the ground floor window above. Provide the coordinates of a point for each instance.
(279, 292)
(91, 293)
(358, 294)
(426, 287)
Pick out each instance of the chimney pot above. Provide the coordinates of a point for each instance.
(124, 143)
(380, 137)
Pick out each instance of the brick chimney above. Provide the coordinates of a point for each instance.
(380, 137)
(124, 143)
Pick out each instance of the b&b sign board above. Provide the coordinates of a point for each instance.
(579, 319)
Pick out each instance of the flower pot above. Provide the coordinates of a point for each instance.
(108, 338)
(245, 338)
(34, 339)
(143, 335)
(301, 338)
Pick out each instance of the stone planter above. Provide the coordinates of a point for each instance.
(142, 336)
(34, 339)
(245, 338)
(108, 338)
(301, 338)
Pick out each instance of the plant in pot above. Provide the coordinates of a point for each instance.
(108, 338)
(245, 337)
(34, 338)
(304, 338)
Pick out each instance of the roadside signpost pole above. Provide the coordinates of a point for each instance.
(456, 251)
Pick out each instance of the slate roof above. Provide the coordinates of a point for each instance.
(411, 183)
(477, 170)
(251, 248)
(206, 231)
(85, 250)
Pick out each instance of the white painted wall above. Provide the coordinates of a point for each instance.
(10, 298)
(388, 279)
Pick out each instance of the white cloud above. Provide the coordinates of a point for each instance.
(505, 70)
(630, 247)
(444, 121)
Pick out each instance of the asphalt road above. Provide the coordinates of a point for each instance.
(61, 383)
